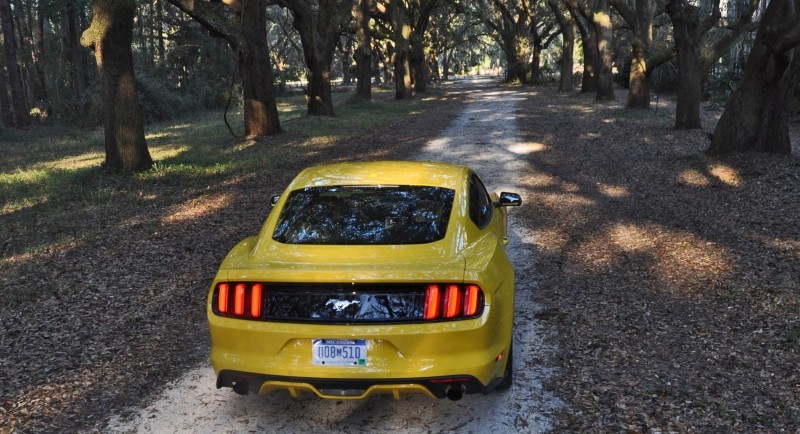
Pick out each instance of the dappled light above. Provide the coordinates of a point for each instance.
(694, 178)
(726, 174)
(615, 191)
(526, 148)
(198, 208)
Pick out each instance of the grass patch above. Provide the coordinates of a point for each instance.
(51, 177)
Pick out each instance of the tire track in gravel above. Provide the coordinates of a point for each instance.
(484, 137)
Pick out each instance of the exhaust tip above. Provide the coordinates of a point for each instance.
(241, 387)
(455, 393)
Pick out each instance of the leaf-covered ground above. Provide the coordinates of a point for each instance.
(671, 280)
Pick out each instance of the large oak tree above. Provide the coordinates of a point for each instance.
(110, 35)
(756, 116)
(697, 48)
(245, 32)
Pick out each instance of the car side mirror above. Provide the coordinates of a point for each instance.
(509, 199)
(274, 200)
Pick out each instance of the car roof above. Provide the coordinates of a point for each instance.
(383, 173)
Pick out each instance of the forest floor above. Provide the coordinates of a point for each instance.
(671, 280)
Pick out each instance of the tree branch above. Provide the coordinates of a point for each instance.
(209, 17)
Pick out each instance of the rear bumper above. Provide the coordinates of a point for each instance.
(265, 355)
(244, 383)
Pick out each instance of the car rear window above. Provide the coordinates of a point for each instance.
(352, 215)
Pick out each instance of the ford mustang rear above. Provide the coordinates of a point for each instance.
(381, 277)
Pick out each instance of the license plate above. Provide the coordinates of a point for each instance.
(339, 352)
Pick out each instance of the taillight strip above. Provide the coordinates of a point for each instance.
(255, 300)
(452, 301)
(222, 297)
(471, 300)
(432, 302)
(238, 300)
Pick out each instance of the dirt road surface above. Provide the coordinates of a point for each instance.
(484, 137)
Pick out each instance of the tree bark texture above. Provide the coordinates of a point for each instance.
(638, 91)
(260, 108)
(591, 57)
(696, 51)
(685, 23)
(78, 75)
(605, 50)
(6, 113)
(419, 20)
(110, 35)
(319, 29)
(363, 54)
(402, 50)
(567, 26)
(18, 101)
(756, 116)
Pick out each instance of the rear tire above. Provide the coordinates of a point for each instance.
(508, 376)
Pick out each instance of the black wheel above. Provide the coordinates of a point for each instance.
(508, 376)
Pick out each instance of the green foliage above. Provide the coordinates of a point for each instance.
(158, 102)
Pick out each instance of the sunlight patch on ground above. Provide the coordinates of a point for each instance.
(614, 191)
(694, 178)
(590, 136)
(197, 208)
(524, 148)
(726, 174)
(89, 159)
(680, 262)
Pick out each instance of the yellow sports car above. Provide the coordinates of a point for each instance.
(379, 277)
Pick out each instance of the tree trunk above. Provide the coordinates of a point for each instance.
(685, 21)
(402, 48)
(78, 75)
(536, 61)
(20, 107)
(418, 63)
(318, 93)
(260, 109)
(38, 51)
(756, 117)
(347, 61)
(111, 35)
(6, 113)
(319, 27)
(567, 27)
(590, 55)
(363, 55)
(638, 91)
(160, 29)
(639, 79)
(605, 50)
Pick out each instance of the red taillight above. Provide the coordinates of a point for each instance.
(222, 297)
(255, 300)
(238, 299)
(432, 302)
(471, 300)
(452, 301)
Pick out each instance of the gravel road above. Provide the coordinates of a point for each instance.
(484, 137)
